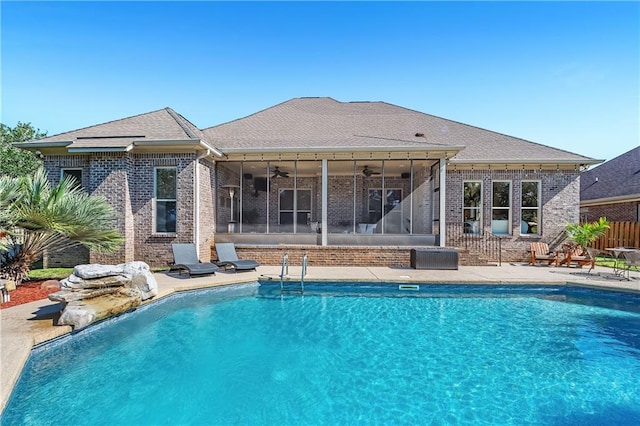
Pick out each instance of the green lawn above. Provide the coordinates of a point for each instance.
(605, 261)
(50, 273)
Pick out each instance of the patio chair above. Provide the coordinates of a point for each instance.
(228, 258)
(186, 259)
(632, 260)
(575, 255)
(540, 252)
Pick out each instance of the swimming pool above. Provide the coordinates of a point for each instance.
(346, 354)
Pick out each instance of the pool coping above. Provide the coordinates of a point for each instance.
(25, 326)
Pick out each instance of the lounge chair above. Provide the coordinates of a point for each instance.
(186, 259)
(575, 255)
(228, 258)
(540, 252)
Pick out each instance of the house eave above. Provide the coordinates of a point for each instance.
(177, 145)
(136, 146)
(105, 149)
(610, 200)
(38, 145)
(340, 153)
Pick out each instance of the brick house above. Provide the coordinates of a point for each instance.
(354, 182)
(612, 189)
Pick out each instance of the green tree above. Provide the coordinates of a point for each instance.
(15, 161)
(50, 218)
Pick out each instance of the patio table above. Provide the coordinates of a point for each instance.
(619, 266)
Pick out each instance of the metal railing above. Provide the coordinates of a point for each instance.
(285, 270)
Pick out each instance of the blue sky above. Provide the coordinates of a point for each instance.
(564, 74)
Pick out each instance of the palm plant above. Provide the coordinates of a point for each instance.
(586, 233)
(50, 219)
(8, 194)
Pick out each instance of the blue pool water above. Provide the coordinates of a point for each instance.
(443, 355)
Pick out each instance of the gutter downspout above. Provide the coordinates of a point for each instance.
(196, 200)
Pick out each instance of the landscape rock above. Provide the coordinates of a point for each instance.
(50, 284)
(96, 270)
(66, 295)
(141, 278)
(76, 282)
(81, 313)
(95, 292)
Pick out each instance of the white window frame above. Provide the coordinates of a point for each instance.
(538, 208)
(78, 169)
(476, 228)
(156, 199)
(508, 208)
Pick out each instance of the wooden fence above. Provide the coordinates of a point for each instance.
(620, 234)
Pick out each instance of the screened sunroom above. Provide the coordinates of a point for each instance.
(330, 202)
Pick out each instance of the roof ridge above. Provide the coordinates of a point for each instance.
(180, 120)
(97, 125)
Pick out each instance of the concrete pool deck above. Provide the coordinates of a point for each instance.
(23, 326)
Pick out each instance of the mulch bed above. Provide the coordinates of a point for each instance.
(28, 291)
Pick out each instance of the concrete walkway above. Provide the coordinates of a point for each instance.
(23, 326)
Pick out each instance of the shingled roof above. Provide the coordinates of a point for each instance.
(164, 125)
(313, 123)
(617, 178)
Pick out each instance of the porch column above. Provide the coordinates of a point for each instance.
(443, 201)
(325, 199)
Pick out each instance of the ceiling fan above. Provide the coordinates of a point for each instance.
(368, 172)
(278, 173)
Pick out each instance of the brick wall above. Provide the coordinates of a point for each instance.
(560, 205)
(338, 256)
(614, 212)
(110, 175)
(152, 247)
(207, 209)
(325, 256)
(127, 183)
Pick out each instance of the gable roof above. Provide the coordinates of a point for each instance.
(163, 127)
(617, 178)
(309, 124)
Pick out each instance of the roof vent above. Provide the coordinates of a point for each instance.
(419, 135)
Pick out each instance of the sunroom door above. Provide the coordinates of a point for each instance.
(294, 203)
